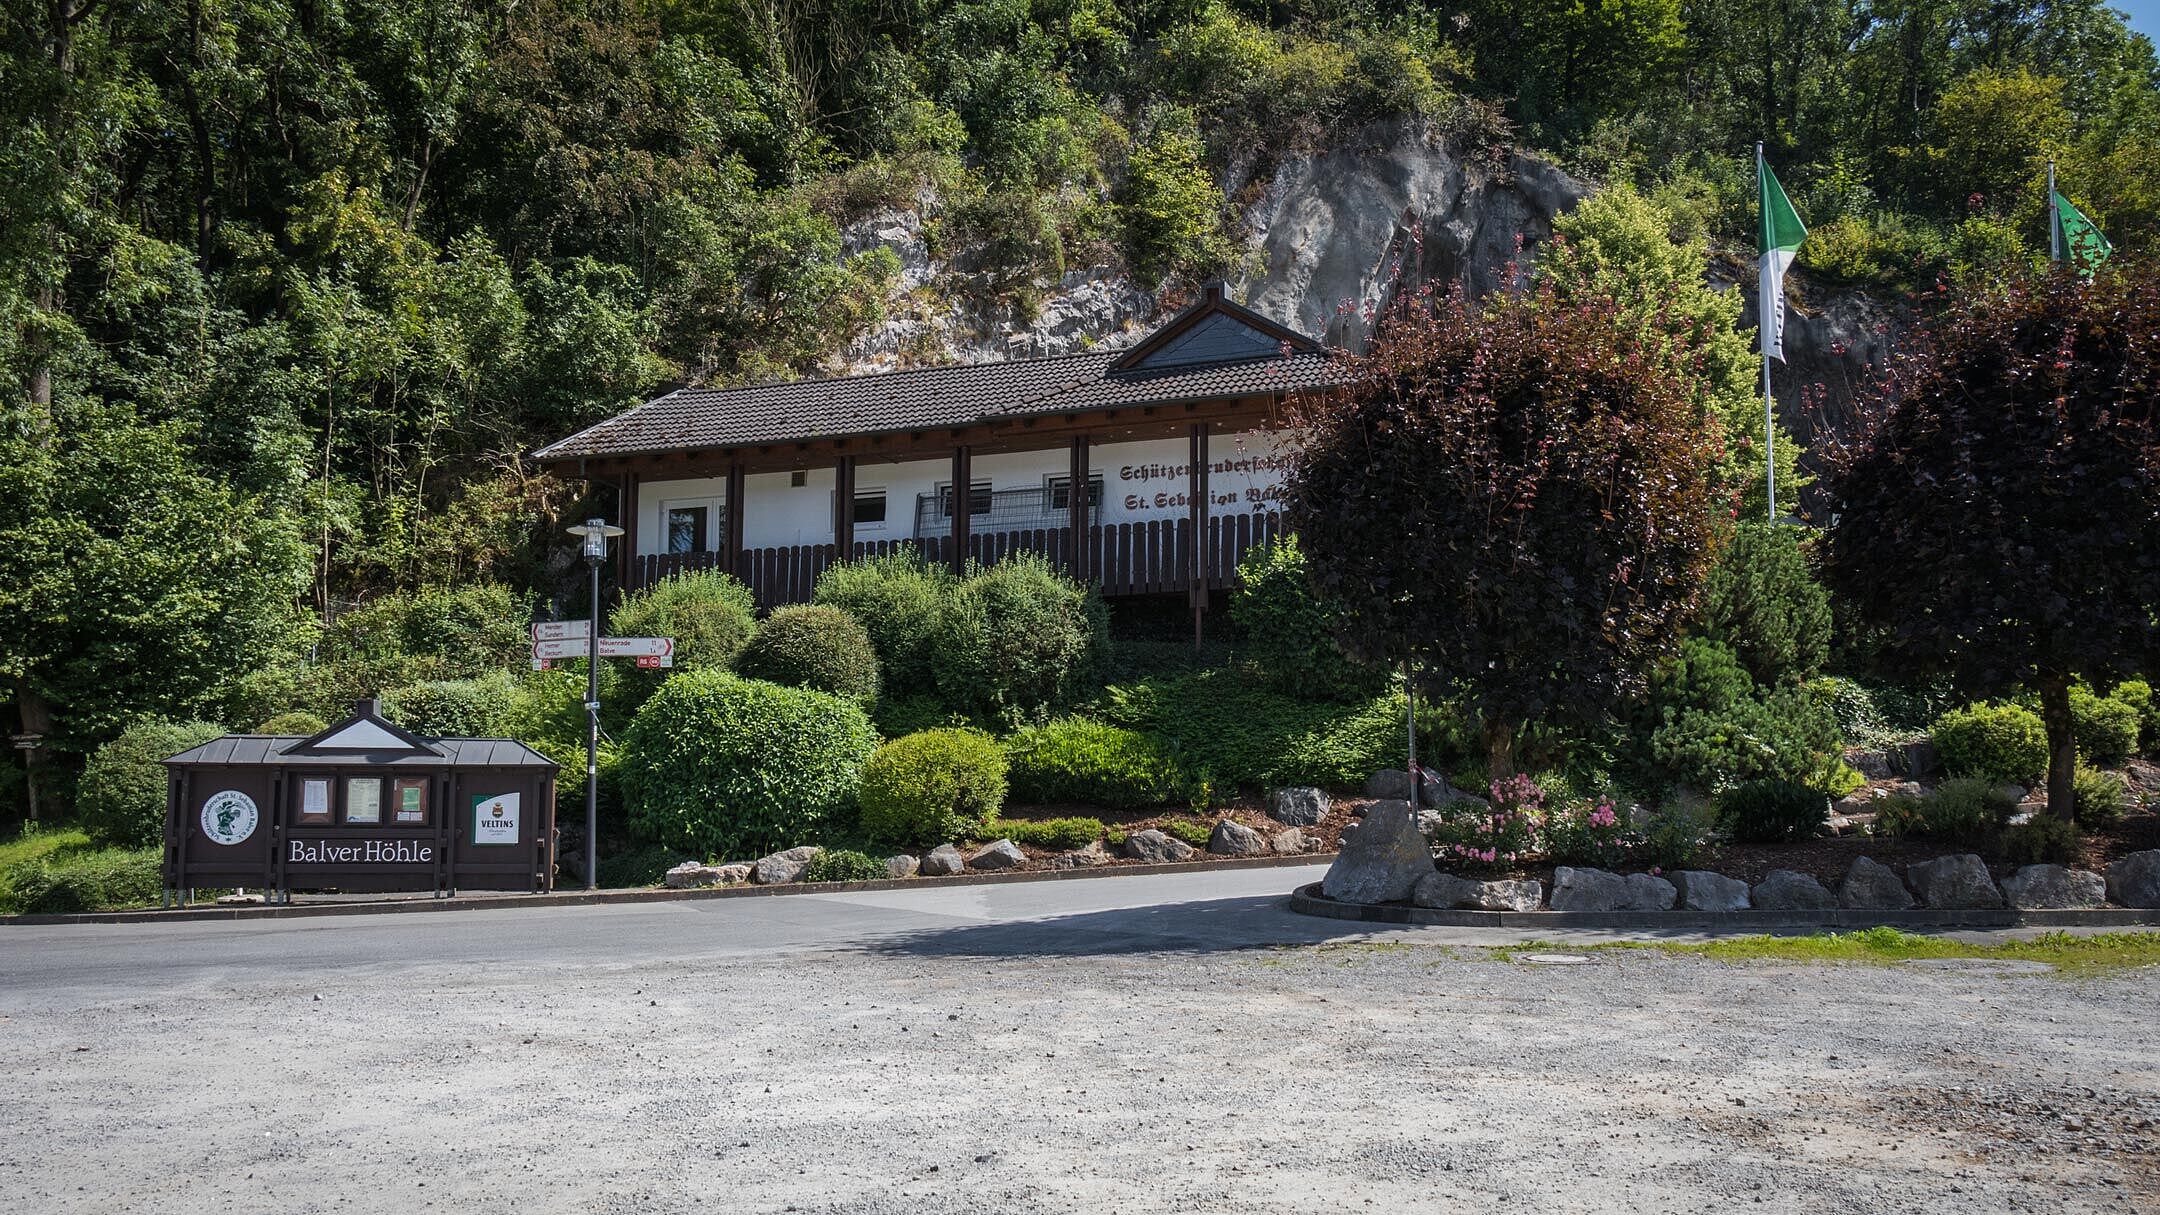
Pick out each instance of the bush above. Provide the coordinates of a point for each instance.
(710, 615)
(1675, 833)
(1288, 629)
(1900, 815)
(2105, 727)
(1711, 725)
(304, 724)
(2099, 797)
(570, 786)
(482, 707)
(1858, 720)
(901, 603)
(720, 766)
(1968, 812)
(1050, 835)
(1196, 832)
(817, 647)
(1081, 760)
(65, 883)
(1773, 812)
(646, 865)
(1762, 601)
(1017, 638)
(2041, 840)
(1585, 835)
(842, 865)
(1226, 726)
(121, 799)
(2138, 694)
(2001, 744)
(932, 787)
(467, 631)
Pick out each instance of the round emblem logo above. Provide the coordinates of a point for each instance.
(229, 817)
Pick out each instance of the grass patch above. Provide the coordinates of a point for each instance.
(2067, 953)
(35, 844)
(63, 871)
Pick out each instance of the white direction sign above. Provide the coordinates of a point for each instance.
(562, 630)
(661, 649)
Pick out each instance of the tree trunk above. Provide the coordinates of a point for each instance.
(2062, 747)
(1500, 749)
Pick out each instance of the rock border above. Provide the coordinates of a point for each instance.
(492, 901)
(1307, 900)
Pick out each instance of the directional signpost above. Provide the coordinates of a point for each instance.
(649, 651)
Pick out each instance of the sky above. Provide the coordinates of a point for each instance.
(2144, 16)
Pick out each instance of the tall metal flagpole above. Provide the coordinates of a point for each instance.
(1762, 342)
(2054, 226)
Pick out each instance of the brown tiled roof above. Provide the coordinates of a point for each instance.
(929, 398)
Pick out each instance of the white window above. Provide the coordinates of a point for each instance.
(690, 527)
(870, 508)
(1058, 490)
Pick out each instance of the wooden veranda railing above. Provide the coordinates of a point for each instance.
(1148, 558)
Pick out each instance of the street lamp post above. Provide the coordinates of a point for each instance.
(595, 533)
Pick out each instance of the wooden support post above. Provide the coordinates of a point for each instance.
(1196, 494)
(626, 551)
(731, 544)
(1076, 510)
(844, 508)
(961, 503)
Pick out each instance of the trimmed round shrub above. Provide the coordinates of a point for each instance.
(121, 798)
(813, 646)
(901, 602)
(1018, 638)
(932, 787)
(1080, 760)
(2099, 797)
(299, 722)
(1289, 629)
(710, 615)
(1773, 812)
(720, 766)
(842, 865)
(2106, 728)
(483, 707)
(2002, 744)
(2138, 694)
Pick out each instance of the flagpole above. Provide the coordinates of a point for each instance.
(2054, 221)
(1762, 342)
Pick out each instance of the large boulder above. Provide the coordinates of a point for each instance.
(691, 875)
(1156, 848)
(1786, 890)
(1383, 862)
(1298, 806)
(2053, 887)
(1290, 840)
(1389, 785)
(1597, 890)
(1091, 857)
(1445, 890)
(1868, 886)
(1701, 890)
(1235, 839)
(943, 861)
(2134, 881)
(901, 866)
(999, 854)
(1954, 883)
(783, 867)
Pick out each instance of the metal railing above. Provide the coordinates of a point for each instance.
(1002, 510)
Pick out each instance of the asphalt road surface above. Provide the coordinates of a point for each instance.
(1137, 1044)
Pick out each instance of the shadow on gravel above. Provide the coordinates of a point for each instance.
(1195, 927)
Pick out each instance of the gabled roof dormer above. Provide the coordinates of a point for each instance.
(1213, 330)
(366, 732)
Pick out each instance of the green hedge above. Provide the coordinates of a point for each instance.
(1710, 725)
(1228, 728)
(1019, 638)
(724, 767)
(1050, 834)
(121, 798)
(932, 787)
(2004, 744)
(1088, 762)
(901, 602)
(485, 706)
(68, 881)
(813, 646)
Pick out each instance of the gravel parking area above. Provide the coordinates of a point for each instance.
(909, 1074)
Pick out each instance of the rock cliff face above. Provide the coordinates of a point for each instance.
(1329, 236)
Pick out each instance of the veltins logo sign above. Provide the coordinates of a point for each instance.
(495, 819)
(229, 817)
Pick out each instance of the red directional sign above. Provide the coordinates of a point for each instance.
(660, 649)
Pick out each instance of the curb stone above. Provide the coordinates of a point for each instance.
(648, 894)
(1307, 900)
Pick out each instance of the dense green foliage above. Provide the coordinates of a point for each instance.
(481, 707)
(902, 603)
(812, 646)
(121, 800)
(932, 788)
(2001, 743)
(1762, 601)
(1089, 762)
(1967, 811)
(2101, 797)
(1287, 630)
(1708, 724)
(297, 722)
(1049, 834)
(66, 881)
(1773, 812)
(723, 767)
(843, 865)
(1225, 728)
(2043, 839)
(710, 615)
(2106, 728)
(1018, 638)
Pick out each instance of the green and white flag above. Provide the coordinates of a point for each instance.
(2071, 236)
(1782, 233)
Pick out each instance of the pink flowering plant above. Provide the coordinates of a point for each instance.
(1495, 836)
(1591, 834)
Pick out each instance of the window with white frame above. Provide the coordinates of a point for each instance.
(687, 527)
(1058, 491)
(870, 507)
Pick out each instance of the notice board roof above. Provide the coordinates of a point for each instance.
(363, 739)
